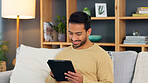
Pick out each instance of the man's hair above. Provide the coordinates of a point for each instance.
(80, 18)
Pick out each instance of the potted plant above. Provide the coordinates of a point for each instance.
(3, 50)
(60, 27)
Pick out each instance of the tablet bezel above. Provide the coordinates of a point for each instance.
(59, 67)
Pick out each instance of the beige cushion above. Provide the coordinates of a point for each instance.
(141, 70)
(31, 64)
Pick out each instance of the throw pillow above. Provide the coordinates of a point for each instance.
(141, 70)
(31, 64)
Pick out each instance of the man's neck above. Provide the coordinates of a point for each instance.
(86, 45)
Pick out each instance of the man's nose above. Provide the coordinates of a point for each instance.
(74, 37)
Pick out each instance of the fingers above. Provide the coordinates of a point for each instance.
(51, 74)
(74, 77)
(71, 79)
(71, 76)
(72, 73)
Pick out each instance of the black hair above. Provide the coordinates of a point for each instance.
(80, 18)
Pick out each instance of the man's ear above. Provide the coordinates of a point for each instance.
(89, 31)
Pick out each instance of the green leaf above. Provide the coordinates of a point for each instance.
(60, 24)
(3, 49)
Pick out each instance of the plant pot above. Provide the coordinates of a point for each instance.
(61, 37)
(2, 66)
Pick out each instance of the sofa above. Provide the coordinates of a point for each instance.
(31, 67)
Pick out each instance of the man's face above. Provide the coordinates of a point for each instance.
(77, 34)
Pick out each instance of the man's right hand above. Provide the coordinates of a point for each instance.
(51, 74)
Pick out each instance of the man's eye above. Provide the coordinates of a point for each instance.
(78, 34)
(70, 33)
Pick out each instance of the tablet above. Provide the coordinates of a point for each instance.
(59, 67)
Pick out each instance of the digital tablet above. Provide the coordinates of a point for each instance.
(59, 67)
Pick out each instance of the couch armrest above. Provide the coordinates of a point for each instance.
(5, 76)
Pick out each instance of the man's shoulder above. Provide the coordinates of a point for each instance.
(101, 52)
(65, 49)
(63, 53)
(98, 48)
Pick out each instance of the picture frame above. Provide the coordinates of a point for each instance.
(101, 9)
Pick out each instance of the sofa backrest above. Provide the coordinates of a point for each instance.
(124, 66)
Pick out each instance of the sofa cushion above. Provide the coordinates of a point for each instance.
(31, 64)
(124, 63)
(141, 70)
(5, 76)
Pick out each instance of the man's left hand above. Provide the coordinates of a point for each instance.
(74, 77)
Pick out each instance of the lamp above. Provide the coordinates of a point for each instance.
(18, 9)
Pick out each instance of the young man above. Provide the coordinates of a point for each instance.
(92, 63)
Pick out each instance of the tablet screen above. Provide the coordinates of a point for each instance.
(59, 67)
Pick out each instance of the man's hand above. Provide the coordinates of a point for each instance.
(51, 74)
(74, 77)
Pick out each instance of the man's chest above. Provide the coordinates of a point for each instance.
(84, 63)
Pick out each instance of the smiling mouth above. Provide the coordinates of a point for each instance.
(76, 42)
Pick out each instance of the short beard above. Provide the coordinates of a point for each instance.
(81, 44)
